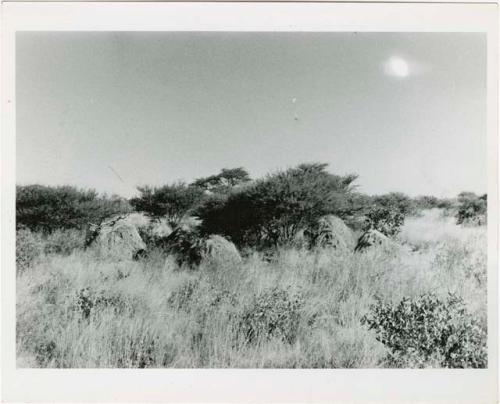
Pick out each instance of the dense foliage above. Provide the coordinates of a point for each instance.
(173, 201)
(472, 208)
(385, 220)
(395, 201)
(386, 213)
(273, 209)
(45, 208)
(224, 181)
(428, 330)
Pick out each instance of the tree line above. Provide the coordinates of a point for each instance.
(270, 209)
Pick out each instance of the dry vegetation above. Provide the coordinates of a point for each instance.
(297, 307)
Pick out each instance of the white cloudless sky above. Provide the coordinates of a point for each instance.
(110, 111)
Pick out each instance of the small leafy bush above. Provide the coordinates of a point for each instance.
(428, 331)
(29, 246)
(185, 245)
(385, 220)
(274, 313)
(88, 301)
(472, 209)
(45, 352)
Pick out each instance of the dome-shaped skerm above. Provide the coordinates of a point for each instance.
(117, 238)
(331, 231)
(218, 250)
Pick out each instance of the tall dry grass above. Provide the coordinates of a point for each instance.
(300, 308)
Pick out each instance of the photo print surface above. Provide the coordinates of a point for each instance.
(251, 200)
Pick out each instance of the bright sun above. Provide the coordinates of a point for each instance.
(397, 66)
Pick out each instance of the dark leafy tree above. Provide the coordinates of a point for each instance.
(472, 208)
(173, 201)
(273, 209)
(224, 181)
(45, 208)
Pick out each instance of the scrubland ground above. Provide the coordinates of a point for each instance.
(297, 308)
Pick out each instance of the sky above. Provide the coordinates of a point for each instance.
(115, 110)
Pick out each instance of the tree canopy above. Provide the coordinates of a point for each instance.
(224, 181)
(45, 208)
(173, 201)
(275, 208)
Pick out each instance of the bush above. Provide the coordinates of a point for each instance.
(274, 313)
(88, 301)
(29, 247)
(472, 208)
(387, 213)
(185, 245)
(273, 210)
(396, 202)
(385, 220)
(45, 208)
(426, 202)
(428, 331)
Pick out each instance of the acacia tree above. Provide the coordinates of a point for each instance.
(224, 181)
(173, 201)
(45, 208)
(272, 210)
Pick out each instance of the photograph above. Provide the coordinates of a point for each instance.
(247, 200)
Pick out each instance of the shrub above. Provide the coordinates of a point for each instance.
(185, 245)
(273, 210)
(472, 208)
(387, 213)
(274, 313)
(429, 331)
(395, 201)
(88, 301)
(29, 247)
(45, 208)
(385, 220)
(426, 202)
